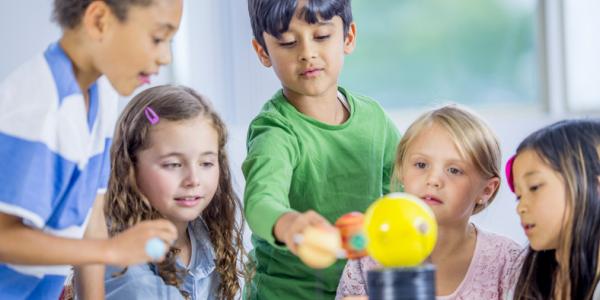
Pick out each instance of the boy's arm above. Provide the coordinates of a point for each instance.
(268, 169)
(89, 280)
(272, 155)
(21, 244)
(265, 197)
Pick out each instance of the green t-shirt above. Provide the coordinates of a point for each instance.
(296, 163)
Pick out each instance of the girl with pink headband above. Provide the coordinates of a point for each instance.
(556, 178)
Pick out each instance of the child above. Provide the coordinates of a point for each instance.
(169, 161)
(316, 151)
(56, 121)
(556, 174)
(451, 159)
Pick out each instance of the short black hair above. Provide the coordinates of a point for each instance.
(68, 13)
(274, 16)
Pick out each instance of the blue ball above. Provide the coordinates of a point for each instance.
(155, 248)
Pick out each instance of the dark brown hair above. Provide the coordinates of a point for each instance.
(570, 148)
(68, 13)
(274, 16)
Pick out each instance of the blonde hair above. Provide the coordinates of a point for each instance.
(472, 137)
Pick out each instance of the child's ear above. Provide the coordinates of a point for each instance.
(490, 187)
(262, 53)
(96, 18)
(350, 40)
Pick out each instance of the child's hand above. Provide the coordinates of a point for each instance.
(128, 247)
(319, 246)
(293, 223)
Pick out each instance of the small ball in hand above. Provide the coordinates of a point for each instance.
(155, 248)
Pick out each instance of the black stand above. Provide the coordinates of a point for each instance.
(416, 283)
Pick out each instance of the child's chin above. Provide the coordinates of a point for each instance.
(538, 247)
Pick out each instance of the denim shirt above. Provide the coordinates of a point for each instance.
(143, 282)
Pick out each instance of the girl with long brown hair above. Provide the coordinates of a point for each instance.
(169, 161)
(556, 178)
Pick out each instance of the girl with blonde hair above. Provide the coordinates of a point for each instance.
(451, 160)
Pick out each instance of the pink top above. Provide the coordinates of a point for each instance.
(491, 274)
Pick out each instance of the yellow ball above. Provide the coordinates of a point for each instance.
(401, 230)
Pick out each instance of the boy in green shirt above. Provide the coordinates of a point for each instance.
(316, 151)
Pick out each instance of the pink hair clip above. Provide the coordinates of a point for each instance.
(509, 173)
(151, 115)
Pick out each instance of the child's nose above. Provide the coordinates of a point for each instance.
(521, 208)
(164, 56)
(192, 179)
(307, 52)
(433, 180)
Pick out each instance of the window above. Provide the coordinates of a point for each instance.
(415, 53)
(582, 48)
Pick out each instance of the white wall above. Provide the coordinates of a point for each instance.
(26, 30)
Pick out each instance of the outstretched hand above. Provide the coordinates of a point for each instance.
(129, 247)
(293, 224)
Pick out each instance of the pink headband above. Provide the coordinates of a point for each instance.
(509, 174)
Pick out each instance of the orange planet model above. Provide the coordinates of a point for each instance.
(350, 226)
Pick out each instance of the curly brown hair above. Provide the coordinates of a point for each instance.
(126, 206)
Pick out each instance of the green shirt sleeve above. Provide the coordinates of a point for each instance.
(392, 138)
(268, 169)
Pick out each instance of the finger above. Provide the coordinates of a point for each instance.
(315, 218)
(291, 244)
(295, 241)
(165, 229)
(167, 237)
(296, 230)
(165, 225)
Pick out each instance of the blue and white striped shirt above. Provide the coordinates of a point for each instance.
(54, 159)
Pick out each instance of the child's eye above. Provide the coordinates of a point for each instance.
(157, 41)
(287, 44)
(207, 164)
(322, 37)
(518, 198)
(171, 165)
(420, 165)
(455, 171)
(534, 188)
